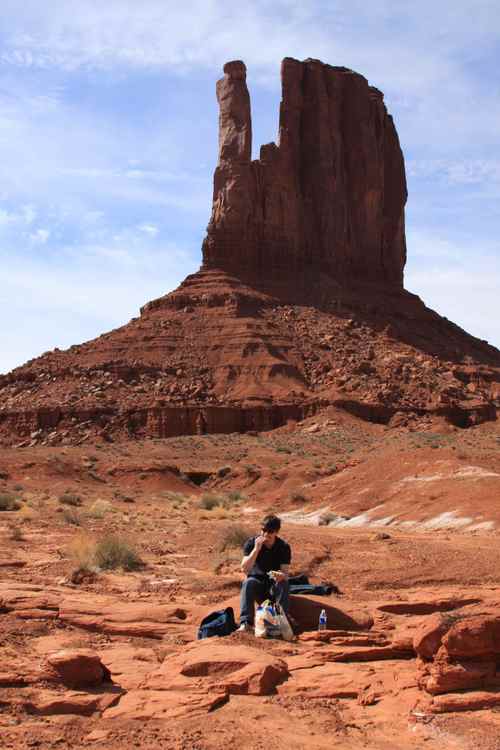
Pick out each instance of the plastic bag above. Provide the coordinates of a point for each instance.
(267, 624)
(272, 622)
(285, 627)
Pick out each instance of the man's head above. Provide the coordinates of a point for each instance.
(269, 528)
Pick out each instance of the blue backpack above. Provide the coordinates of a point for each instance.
(217, 623)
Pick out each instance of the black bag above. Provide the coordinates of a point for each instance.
(217, 623)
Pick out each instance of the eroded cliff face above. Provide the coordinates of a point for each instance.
(329, 196)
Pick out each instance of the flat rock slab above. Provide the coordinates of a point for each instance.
(469, 701)
(129, 666)
(428, 606)
(164, 704)
(49, 703)
(347, 681)
(108, 615)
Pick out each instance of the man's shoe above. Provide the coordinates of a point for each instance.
(245, 627)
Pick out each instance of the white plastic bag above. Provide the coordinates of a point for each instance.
(267, 624)
(272, 622)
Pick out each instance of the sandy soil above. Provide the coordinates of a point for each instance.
(412, 521)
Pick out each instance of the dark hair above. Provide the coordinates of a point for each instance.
(271, 523)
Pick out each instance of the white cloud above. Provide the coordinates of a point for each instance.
(40, 236)
(150, 229)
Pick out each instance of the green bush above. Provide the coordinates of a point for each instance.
(9, 501)
(113, 552)
(298, 497)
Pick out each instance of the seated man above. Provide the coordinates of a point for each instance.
(263, 554)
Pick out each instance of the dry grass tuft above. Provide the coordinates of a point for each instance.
(234, 537)
(8, 501)
(108, 553)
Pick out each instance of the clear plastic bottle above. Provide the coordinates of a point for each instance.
(322, 620)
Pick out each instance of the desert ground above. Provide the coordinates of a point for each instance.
(404, 522)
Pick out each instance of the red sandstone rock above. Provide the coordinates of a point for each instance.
(78, 668)
(330, 194)
(48, 703)
(162, 704)
(470, 701)
(474, 636)
(427, 639)
(216, 663)
(343, 616)
(299, 302)
(467, 675)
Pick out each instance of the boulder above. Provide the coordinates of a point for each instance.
(215, 663)
(306, 610)
(473, 636)
(427, 638)
(78, 668)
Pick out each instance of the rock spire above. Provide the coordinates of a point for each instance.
(329, 197)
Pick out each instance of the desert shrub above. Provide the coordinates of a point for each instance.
(16, 533)
(68, 498)
(99, 508)
(235, 496)
(234, 536)
(174, 497)
(71, 516)
(114, 552)
(108, 553)
(208, 502)
(82, 552)
(327, 517)
(9, 501)
(298, 497)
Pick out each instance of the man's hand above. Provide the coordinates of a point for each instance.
(259, 541)
(279, 576)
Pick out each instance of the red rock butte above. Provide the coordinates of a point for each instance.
(299, 303)
(328, 197)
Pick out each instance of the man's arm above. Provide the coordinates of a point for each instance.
(249, 560)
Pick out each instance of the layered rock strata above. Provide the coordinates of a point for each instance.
(299, 302)
(329, 196)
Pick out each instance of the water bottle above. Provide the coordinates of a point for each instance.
(322, 620)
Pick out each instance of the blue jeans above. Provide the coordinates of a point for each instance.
(255, 590)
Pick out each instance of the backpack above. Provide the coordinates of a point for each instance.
(217, 623)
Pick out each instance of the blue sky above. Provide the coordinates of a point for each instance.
(108, 140)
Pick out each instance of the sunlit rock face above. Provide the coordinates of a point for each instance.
(329, 196)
